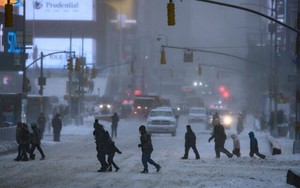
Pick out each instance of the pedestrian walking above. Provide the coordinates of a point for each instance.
(236, 145)
(190, 142)
(147, 149)
(100, 145)
(36, 142)
(18, 140)
(41, 120)
(114, 124)
(240, 125)
(25, 142)
(254, 146)
(220, 137)
(111, 150)
(57, 126)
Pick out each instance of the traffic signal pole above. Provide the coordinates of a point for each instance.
(296, 146)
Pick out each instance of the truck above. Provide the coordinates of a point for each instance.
(143, 104)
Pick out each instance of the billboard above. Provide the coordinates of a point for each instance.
(59, 60)
(10, 48)
(77, 10)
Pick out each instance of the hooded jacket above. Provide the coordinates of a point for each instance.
(190, 137)
(253, 142)
(146, 143)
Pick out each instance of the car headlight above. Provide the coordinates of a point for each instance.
(227, 120)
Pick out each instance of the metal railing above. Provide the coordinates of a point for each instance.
(8, 133)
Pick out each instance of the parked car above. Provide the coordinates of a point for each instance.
(226, 117)
(162, 120)
(197, 114)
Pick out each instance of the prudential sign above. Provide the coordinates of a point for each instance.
(60, 10)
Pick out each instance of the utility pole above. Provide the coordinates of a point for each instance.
(296, 146)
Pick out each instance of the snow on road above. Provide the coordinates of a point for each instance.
(73, 163)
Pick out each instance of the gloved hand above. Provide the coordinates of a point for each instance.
(209, 140)
(140, 145)
(120, 152)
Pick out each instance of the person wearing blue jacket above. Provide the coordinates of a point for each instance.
(254, 146)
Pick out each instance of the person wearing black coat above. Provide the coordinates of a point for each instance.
(190, 142)
(254, 146)
(220, 137)
(114, 124)
(36, 142)
(57, 126)
(41, 120)
(111, 150)
(18, 140)
(25, 142)
(100, 145)
(147, 149)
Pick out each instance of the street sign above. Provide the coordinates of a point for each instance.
(28, 39)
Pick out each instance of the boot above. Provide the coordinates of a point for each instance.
(158, 168)
(109, 169)
(145, 171)
(117, 169)
(183, 157)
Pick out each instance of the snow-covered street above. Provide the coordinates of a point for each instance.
(73, 163)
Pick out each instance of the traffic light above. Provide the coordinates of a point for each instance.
(26, 85)
(199, 70)
(171, 13)
(8, 22)
(162, 56)
(77, 65)
(70, 64)
(94, 72)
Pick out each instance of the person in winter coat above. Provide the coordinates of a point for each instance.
(147, 149)
(25, 142)
(236, 145)
(220, 137)
(190, 142)
(111, 150)
(114, 124)
(57, 126)
(36, 142)
(42, 123)
(254, 146)
(18, 140)
(239, 126)
(100, 145)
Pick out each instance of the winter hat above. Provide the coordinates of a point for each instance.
(142, 129)
(188, 127)
(251, 134)
(33, 125)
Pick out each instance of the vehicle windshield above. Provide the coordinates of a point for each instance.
(221, 112)
(197, 111)
(161, 113)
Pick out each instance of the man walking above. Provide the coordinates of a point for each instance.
(220, 137)
(147, 149)
(190, 142)
(114, 124)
